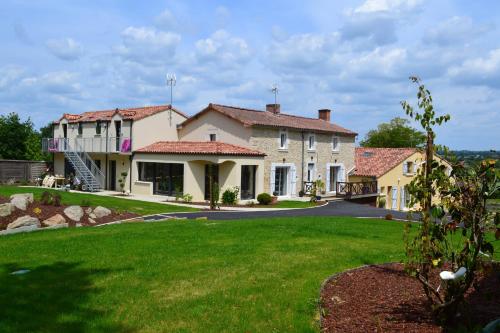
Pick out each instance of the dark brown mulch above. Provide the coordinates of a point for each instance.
(47, 211)
(382, 298)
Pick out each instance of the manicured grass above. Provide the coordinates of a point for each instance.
(185, 276)
(260, 275)
(115, 203)
(292, 204)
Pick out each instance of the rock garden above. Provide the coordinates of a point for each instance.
(21, 212)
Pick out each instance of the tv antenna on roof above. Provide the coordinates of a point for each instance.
(171, 81)
(274, 89)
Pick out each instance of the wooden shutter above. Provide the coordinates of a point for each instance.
(293, 180)
(327, 178)
(272, 176)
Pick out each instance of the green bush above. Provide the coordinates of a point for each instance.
(264, 199)
(381, 203)
(187, 197)
(230, 196)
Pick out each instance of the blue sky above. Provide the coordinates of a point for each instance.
(353, 57)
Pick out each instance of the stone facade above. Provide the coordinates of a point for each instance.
(266, 139)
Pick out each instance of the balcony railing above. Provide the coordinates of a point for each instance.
(88, 145)
(351, 189)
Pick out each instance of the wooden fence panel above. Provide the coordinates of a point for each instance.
(15, 170)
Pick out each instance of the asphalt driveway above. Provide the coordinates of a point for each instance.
(333, 208)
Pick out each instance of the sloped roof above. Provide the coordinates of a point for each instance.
(376, 162)
(249, 117)
(127, 114)
(198, 147)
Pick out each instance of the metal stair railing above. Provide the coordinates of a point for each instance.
(85, 167)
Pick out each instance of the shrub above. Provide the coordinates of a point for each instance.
(56, 199)
(230, 196)
(388, 217)
(122, 180)
(381, 202)
(46, 198)
(85, 203)
(264, 199)
(187, 197)
(301, 193)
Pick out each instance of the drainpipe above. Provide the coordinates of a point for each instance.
(302, 167)
(106, 168)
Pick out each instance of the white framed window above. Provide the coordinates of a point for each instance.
(283, 139)
(335, 143)
(311, 142)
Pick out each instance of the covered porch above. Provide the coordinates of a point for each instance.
(174, 172)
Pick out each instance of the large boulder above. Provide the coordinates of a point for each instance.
(57, 219)
(24, 221)
(28, 196)
(75, 213)
(20, 202)
(6, 209)
(100, 211)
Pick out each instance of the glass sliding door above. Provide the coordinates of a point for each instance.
(248, 182)
(167, 178)
(215, 179)
(281, 181)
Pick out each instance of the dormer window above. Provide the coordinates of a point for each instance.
(311, 144)
(80, 128)
(335, 143)
(283, 140)
(98, 127)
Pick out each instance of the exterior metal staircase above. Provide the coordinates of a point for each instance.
(86, 170)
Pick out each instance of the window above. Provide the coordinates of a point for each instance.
(80, 128)
(335, 143)
(310, 172)
(312, 142)
(98, 127)
(248, 182)
(167, 178)
(213, 137)
(283, 140)
(408, 168)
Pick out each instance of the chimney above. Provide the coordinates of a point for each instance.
(274, 108)
(324, 114)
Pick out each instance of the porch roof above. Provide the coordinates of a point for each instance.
(198, 148)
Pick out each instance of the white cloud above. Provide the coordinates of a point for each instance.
(148, 45)
(374, 6)
(166, 20)
(456, 31)
(65, 48)
(479, 71)
(9, 76)
(223, 49)
(59, 83)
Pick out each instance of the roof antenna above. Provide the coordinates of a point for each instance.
(171, 80)
(274, 90)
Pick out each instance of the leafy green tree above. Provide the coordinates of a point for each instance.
(19, 140)
(395, 134)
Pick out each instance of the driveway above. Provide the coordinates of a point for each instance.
(333, 208)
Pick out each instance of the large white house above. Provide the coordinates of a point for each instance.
(165, 152)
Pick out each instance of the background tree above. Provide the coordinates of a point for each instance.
(19, 140)
(395, 134)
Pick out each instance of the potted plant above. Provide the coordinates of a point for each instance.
(274, 198)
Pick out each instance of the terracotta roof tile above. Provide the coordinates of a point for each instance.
(128, 114)
(378, 161)
(249, 117)
(198, 147)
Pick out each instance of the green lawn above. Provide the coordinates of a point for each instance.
(292, 204)
(115, 203)
(260, 275)
(184, 276)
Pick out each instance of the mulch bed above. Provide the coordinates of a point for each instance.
(382, 298)
(49, 211)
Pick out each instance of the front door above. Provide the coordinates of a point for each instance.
(118, 131)
(333, 178)
(394, 197)
(281, 181)
(215, 178)
(248, 182)
(310, 172)
(112, 176)
(65, 134)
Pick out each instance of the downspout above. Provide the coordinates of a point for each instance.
(106, 168)
(302, 167)
(131, 157)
